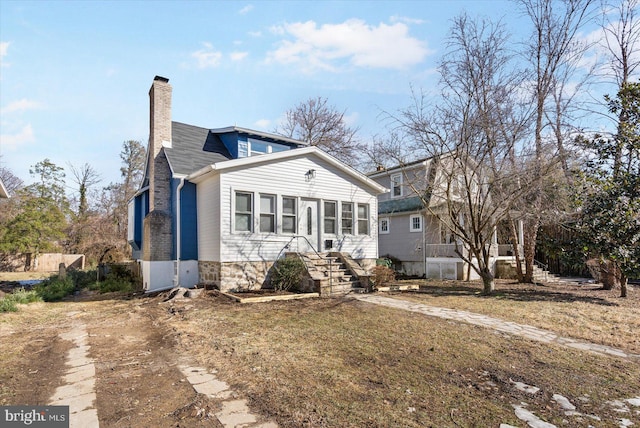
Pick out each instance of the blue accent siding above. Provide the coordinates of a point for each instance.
(140, 210)
(230, 141)
(188, 222)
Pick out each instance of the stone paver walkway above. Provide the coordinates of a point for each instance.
(79, 391)
(235, 413)
(523, 330)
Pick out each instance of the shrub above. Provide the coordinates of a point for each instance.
(288, 273)
(115, 283)
(8, 305)
(382, 275)
(23, 296)
(55, 288)
(83, 278)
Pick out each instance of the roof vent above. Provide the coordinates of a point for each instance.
(161, 79)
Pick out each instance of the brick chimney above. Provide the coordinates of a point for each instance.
(157, 241)
(159, 136)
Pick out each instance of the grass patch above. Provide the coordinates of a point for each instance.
(582, 312)
(343, 363)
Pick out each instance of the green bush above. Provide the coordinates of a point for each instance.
(55, 288)
(23, 296)
(288, 273)
(10, 301)
(8, 305)
(83, 278)
(115, 283)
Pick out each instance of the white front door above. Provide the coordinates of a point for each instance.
(309, 225)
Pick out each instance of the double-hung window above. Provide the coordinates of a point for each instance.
(289, 215)
(244, 212)
(330, 217)
(396, 185)
(267, 213)
(415, 223)
(384, 225)
(347, 218)
(363, 219)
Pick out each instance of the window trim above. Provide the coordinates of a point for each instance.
(397, 181)
(366, 218)
(250, 213)
(334, 218)
(272, 214)
(413, 217)
(384, 221)
(294, 215)
(343, 218)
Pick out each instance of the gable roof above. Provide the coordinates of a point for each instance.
(193, 148)
(279, 156)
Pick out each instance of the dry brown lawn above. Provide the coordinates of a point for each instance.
(580, 311)
(329, 362)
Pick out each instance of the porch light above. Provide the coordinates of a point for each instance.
(310, 175)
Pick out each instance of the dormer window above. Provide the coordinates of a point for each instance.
(396, 185)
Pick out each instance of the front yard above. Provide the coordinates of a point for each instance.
(338, 362)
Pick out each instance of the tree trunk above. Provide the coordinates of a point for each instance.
(516, 248)
(488, 282)
(623, 285)
(530, 236)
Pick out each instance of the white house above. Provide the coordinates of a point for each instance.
(218, 206)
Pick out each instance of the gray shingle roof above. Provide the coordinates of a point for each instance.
(413, 203)
(193, 148)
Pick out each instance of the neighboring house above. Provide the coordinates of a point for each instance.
(411, 234)
(217, 207)
(4, 194)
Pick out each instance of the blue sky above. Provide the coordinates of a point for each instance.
(75, 75)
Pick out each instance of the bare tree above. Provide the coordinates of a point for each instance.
(133, 156)
(549, 50)
(315, 122)
(11, 182)
(472, 135)
(621, 27)
(84, 176)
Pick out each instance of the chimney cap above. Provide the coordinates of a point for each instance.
(161, 79)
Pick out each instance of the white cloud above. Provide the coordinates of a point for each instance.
(255, 33)
(262, 124)
(207, 57)
(238, 56)
(24, 136)
(4, 48)
(248, 8)
(362, 45)
(21, 105)
(406, 20)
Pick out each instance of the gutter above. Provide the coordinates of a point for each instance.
(176, 278)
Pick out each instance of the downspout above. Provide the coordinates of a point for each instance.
(176, 279)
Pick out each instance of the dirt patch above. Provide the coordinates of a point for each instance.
(138, 381)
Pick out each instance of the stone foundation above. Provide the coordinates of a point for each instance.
(234, 275)
(249, 275)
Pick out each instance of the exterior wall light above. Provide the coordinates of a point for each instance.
(310, 175)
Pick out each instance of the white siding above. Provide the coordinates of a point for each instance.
(208, 197)
(284, 178)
